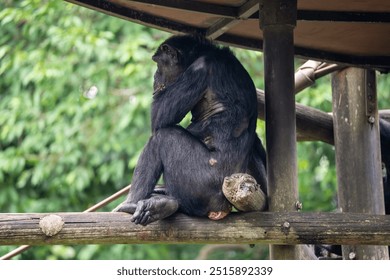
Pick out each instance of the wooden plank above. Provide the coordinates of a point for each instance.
(139, 17)
(341, 16)
(346, 5)
(192, 6)
(237, 228)
(378, 62)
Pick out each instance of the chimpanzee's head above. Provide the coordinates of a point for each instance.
(173, 57)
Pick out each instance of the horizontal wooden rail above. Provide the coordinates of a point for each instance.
(239, 228)
(312, 124)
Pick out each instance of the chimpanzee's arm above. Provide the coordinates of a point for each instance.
(172, 104)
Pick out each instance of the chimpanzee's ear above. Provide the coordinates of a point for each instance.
(172, 52)
(166, 50)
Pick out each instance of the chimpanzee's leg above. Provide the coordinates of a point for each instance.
(193, 177)
(146, 174)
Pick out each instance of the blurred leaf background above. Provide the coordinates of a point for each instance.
(75, 94)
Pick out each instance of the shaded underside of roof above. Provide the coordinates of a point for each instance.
(354, 32)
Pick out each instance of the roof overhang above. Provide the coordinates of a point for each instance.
(355, 32)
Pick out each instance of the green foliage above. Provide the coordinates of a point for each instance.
(63, 146)
(316, 161)
(55, 140)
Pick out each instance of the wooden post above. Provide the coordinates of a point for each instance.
(277, 20)
(358, 158)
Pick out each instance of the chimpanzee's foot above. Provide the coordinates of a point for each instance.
(153, 209)
(125, 207)
(217, 215)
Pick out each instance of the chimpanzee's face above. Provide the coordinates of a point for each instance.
(169, 67)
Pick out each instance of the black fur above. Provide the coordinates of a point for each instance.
(195, 75)
(385, 152)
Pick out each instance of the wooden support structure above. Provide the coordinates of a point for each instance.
(312, 124)
(277, 20)
(237, 228)
(224, 24)
(356, 139)
(358, 158)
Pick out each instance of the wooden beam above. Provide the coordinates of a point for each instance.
(358, 154)
(193, 6)
(220, 27)
(237, 228)
(224, 24)
(341, 16)
(312, 124)
(380, 63)
(336, 16)
(143, 18)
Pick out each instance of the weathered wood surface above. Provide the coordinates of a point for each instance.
(358, 153)
(278, 26)
(237, 228)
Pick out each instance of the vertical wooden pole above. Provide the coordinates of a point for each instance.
(277, 20)
(358, 158)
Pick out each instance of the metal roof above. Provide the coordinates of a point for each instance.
(344, 31)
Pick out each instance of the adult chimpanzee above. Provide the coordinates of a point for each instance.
(195, 75)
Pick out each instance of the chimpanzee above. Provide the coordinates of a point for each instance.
(385, 152)
(194, 75)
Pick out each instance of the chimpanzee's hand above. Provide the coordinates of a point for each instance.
(153, 209)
